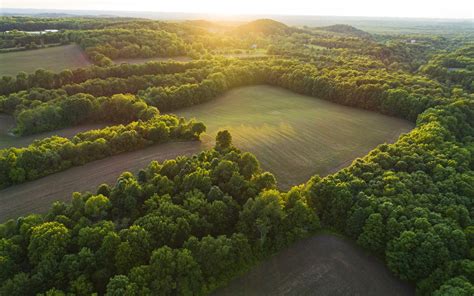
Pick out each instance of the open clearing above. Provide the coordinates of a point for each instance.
(37, 196)
(320, 265)
(53, 58)
(8, 140)
(295, 136)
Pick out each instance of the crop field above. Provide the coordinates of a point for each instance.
(8, 140)
(320, 265)
(295, 136)
(38, 195)
(54, 58)
(262, 119)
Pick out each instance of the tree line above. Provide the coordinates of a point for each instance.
(81, 109)
(103, 46)
(39, 110)
(46, 79)
(54, 154)
(17, 40)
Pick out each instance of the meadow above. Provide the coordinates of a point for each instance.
(292, 135)
(53, 58)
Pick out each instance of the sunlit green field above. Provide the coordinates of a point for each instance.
(53, 58)
(295, 136)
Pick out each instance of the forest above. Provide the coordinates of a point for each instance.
(189, 225)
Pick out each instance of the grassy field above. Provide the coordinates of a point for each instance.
(37, 196)
(8, 140)
(54, 58)
(320, 265)
(295, 136)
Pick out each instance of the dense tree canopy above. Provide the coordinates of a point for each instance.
(181, 227)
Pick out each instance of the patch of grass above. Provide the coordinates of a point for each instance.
(55, 59)
(295, 136)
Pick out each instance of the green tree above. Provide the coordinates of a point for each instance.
(223, 140)
(373, 234)
(48, 241)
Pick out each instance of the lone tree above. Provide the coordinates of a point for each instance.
(223, 140)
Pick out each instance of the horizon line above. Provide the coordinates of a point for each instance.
(225, 15)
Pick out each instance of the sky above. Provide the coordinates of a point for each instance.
(371, 8)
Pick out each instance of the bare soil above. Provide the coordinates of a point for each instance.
(322, 265)
(37, 196)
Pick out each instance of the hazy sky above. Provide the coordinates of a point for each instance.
(392, 8)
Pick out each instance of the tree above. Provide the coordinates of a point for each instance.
(414, 255)
(120, 285)
(223, 140)
(261, 218)
(48, 242)
(171, 271)
(458, 286)
(97, 206)
(373, 234)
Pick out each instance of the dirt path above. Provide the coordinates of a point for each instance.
(321, 265)
(37, 196)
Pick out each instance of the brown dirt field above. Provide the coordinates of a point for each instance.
(322, 265)
(37, 196)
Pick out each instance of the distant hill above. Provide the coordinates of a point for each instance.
(347, 30)
(265, 27)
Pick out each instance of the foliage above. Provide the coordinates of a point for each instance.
(54, 154)
(182, 227)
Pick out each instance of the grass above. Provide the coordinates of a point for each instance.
(53, 58)
(295, 136)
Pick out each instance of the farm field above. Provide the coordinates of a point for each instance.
(292, 135)
(54, 58)
(38, 195)
(320, 265)
(8, 140)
